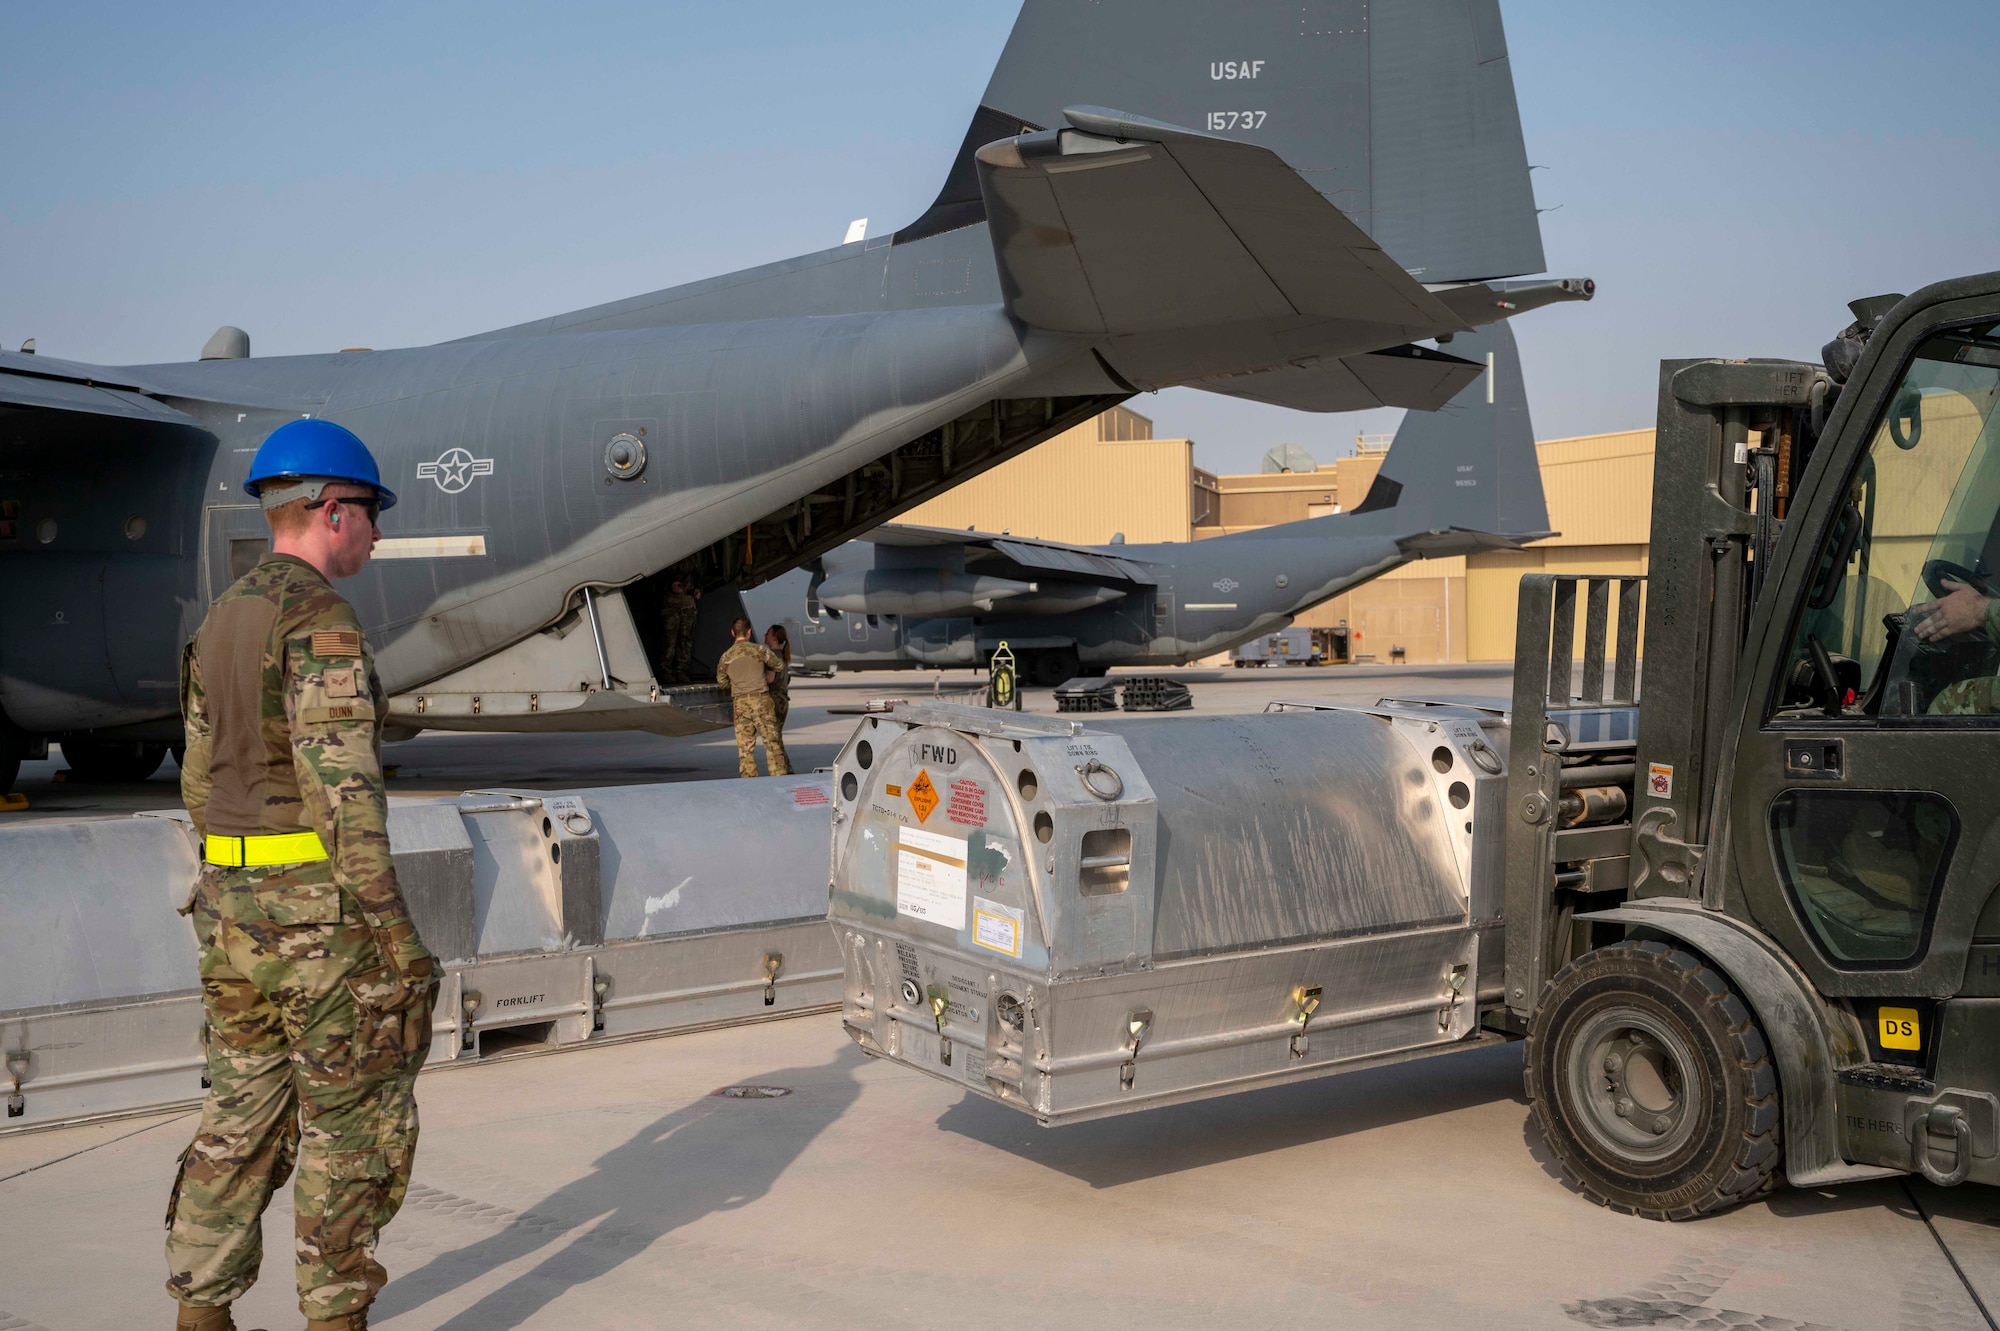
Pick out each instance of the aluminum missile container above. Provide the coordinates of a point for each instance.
(1083, 918)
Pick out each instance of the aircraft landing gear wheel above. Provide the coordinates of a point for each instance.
(1057, 665)
(113, 761)
(1652, 1083)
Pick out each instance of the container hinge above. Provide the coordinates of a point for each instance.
(468, 1003)
(773, 963)
(1456, 981)
(940, 1001)
(1305, 1002)
(1138, 1025)
(18, 1061)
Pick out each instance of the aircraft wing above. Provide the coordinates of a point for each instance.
(1127, 225)
(1030, 558)
(55, 385)
(1421, 378)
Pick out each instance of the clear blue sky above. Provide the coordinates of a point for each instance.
(389, 175)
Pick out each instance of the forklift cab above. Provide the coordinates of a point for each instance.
(1804, 972)
(1867, 777)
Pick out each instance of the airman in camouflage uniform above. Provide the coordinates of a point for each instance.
(316, 987)
(742, 668)
(678, 610)
(779, 681)
(1963, 609)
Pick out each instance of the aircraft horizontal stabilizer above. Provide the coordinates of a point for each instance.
(1460, 541)
(1123, 225)
(1420, 378)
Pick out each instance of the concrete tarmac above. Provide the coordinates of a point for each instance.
(611, 1188)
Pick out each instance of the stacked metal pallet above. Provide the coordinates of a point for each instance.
(1157, 693)
(1087, 695)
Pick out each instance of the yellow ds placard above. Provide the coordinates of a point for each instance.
(1899, 1028)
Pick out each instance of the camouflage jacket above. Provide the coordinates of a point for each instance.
(678, 608)
(742, 668)
(283, 713)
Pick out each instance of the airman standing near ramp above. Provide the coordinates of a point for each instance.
(742, 668)
(316, 988)
(678, 610)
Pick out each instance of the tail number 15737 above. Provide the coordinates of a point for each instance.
(1236, 119)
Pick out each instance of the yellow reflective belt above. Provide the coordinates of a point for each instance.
(256, 852)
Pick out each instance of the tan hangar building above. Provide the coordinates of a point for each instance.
(1109, 478)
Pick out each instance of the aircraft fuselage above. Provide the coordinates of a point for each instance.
(498, 450)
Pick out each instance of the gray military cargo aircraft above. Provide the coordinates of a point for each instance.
(1455, 481)
(1287, 198)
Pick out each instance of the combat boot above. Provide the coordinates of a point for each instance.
(191, 1318)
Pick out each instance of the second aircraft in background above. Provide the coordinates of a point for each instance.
(1455, 481)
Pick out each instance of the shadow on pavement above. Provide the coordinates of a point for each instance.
(1108, 1152)
(682, 1166)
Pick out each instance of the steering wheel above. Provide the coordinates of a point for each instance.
(1937, 570)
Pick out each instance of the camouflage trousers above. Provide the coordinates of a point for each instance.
(757, 717)
(1968, 697)
(676, 648)
(301, 1069)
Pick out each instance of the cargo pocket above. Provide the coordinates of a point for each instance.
(375, 1050)
(357, 1188)
(307, 895)
(174, 1193)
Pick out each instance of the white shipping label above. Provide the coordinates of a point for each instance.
(930, 877)
(997, 926)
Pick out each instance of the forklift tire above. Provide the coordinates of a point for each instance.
(1652, 1083)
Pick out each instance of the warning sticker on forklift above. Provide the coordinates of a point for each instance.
(996, 926)
(930, 877)
(1899, 1028)
(1660, 780)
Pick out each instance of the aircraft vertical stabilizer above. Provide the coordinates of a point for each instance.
(1400, 112)
(1472, 465)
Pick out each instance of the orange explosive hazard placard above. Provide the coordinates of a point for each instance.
(923, 796)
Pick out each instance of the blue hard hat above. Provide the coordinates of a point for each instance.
(312, 449)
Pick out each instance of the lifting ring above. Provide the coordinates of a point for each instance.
(1092, 768)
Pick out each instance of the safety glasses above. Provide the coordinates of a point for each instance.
(373, 507)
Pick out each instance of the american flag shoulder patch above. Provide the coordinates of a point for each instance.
(336, 642)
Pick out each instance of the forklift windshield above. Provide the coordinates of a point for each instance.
(1902, 617)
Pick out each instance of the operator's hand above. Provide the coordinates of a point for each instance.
(1961, 610)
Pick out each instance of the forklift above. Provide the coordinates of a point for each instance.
(1746, 926)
